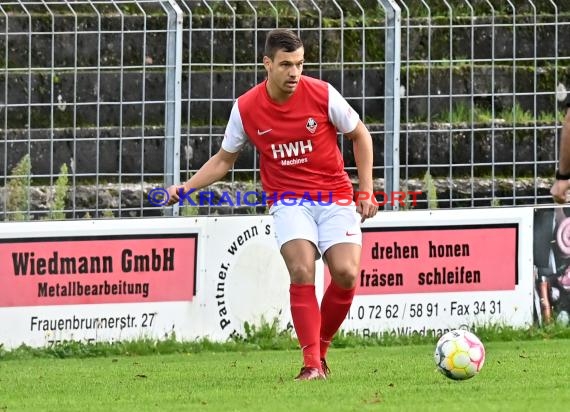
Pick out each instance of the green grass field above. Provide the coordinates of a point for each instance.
(517, 376)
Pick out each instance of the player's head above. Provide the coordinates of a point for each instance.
(283, 59)
(281, 39)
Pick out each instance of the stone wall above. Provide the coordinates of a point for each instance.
(131, 200)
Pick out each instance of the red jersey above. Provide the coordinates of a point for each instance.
(297, 140)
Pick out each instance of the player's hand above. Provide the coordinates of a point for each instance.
(559, 190)
(366, 208)
(173, 192)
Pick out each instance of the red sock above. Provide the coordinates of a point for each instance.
(334, 308)
(307, 322)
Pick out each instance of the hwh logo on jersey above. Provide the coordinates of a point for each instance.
(285, 150)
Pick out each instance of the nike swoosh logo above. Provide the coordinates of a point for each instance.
(259, 132)
(351, 234)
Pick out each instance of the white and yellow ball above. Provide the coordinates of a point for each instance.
(459, 354)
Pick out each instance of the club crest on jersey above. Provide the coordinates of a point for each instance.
(311, 125)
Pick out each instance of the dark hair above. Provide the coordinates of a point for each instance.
(281, 39)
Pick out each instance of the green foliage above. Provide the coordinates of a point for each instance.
(547, 117)
(189, 211)
(267, 336)
(516, 114)
(57, 207)
(250, 186)
(17, 190)
(463, 112)
(513, 115)
(108, 213)
(408, 200)
(270, 336)
(431, 191)
(441, 11)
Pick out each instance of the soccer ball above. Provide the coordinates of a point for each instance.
(459, 354)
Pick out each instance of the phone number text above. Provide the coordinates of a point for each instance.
(424, 310)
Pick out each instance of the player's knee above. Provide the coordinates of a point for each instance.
(345, 276)
(301, 273)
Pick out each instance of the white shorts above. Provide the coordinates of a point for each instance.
(323, 225)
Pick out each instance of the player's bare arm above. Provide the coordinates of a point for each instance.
(561, 184)
(363, 156)
(212, 171)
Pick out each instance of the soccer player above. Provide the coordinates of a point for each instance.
(293, 121)
(562, 183)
